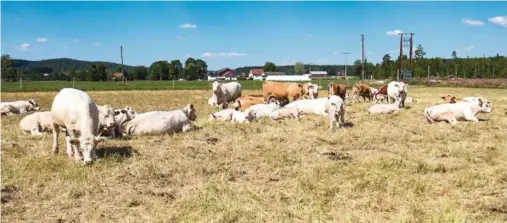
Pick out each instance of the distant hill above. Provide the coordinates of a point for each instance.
(64, 64)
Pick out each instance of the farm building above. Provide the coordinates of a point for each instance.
(256, 74)
(118, 75)
(223, 74)
(318, 74)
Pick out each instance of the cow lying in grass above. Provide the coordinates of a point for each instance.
(459, 111)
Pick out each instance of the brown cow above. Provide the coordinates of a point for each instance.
(382, 90)
(363, 91)
(247, 101)
(337, 89)
(282, 91)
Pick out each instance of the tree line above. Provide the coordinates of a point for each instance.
(193, 69)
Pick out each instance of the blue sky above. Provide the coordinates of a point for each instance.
(232, 34)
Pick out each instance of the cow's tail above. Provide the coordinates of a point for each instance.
(428, 116)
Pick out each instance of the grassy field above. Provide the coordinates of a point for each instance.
(387, 168)
(36, 86)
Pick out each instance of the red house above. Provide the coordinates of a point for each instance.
(226, 73)
(256, 74)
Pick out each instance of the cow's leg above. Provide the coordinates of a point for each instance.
(470, 117)
(56, 131)
(68, 146)
(35, 131)
(187, 127)
(72, 134)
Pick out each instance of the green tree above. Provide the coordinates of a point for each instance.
(192, 69)
(177, 71)
(269, 67)
(419, 52)
(139, 73)
(454, 55)
(159, 70)
(299, 68)
(203, 69)
(8, 68)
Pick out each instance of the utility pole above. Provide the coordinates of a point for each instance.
(411, 52)
(400, 66)
(122, 71)
(362, 57)
(345, 53)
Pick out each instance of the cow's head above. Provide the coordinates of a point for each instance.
(449, 99)
(124, 115)
(34, 105)
(330, 88)
(312, 90)
(237, 104)
(250, 116)
(88, 145)
(189, 111)
(334, 105)
(484, 105)
(106, 116)
(216, 93)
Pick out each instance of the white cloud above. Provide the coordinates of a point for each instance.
(97, 44)
(499, 20)
(42, 40)
(471, 22)
(75, 40)
(24, 47)
(188, 26)
(394, 32)
(469, 48)
(231, 54)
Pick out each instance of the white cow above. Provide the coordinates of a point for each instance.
(312, 90)
(385, 108)
(19, 107)
(36, 123)
(316, 106)
(106, 118)
(161, 122)
(243, 117)
(460, 111)
(121, 117)
(283, 113)
(397, 90)
(223, 115)
(263, 110)
(74, 110)
(335, 107)
(223, 93)
(373, 91)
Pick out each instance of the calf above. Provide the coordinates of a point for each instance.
(335, 107)
(19, 107)
(223, 93)
(36, 123)
(337, 89)
(243, 117)
(121, 117)
(311, 91)
(106, 118)
(163, 122)
(283, 113)
(263, 110)
(397, 90)
(385, 108)
(246, 102)
(460, 111)
(223, 115)
(74, 110)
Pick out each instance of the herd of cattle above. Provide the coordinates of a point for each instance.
(84, 123)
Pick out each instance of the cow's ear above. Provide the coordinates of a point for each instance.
(191, 106)
(480, 102)
(116, 112)
(123, 111)
(396, 85)
(443, 97)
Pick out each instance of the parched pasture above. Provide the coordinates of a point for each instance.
(387, 168)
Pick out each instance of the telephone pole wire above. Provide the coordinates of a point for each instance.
(362, 56)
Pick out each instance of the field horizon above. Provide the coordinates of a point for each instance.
(384, 168)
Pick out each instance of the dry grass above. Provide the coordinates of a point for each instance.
(386, 168)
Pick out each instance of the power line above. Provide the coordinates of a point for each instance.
(362, 56)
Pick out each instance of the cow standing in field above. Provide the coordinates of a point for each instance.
(311, 91)
(19, 107)
(381, 94)
(397, 90)
(162, 122)
(338, 89)
(363, 90)
(282, 91)
(460, 111)
(74, 110)
(335, 107)
(223, 93)
(36, 123)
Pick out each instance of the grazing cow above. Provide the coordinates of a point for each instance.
(284, 113)
(385, 108)
(263, 110)
(311, 91)
(338, 89)
(223, 93)
(459, 111)
(36, 123)
(223, 115)
(245, 102)
(162, 122)
(74, 110)
(282, 91)
(121, 117)
(19, 107)
(397, 90)
(243, 117)
(335, 107)
(363, 90)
